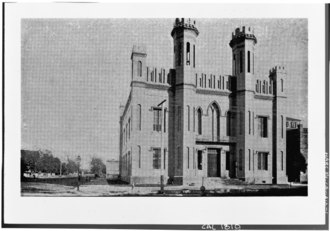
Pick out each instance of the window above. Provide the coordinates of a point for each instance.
(157, 119)
(282, 126)
(200, 160)
(188, 54)
(188, 114)
(188, 156)
(139, 116)
(165, 112)
(257, 86)
(165, 150)
(223, 82)
(249, 159)
(179, 53)
(139, 69)
(248, 57)
(227, 160)
(282, 165)
(253, 122)
(263, 126)
(199, 121)
(194, 55)
(282, 85)
(194, 159)
(139, 152)
(228, 123)
(156, 158)
(194, 119)
(129, 129)
(262, 161)
(249, 122)
(240, 61)
(234, 71)
(215, 122)
(240, 160)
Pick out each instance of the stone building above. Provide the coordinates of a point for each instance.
(187, 125)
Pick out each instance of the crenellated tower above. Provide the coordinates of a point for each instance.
(277, 76)
(181, 103)
(138, 57)
(243, 47)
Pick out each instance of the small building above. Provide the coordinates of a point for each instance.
(112, 169)
(297, 150)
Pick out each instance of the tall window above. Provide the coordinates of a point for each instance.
(139, 152)
(188, 156)
(188, 114)
(194, 119)
(262, 161)
(194, 159)
(228, 123)
(129, 128)
(139, 69)
(179, 53)
(199, 160)
(188, 53)
(240, 159)
(249, 63)
(249, 122)
(194, 56)
(165, 113)
(157, 119)
(156, 158)
(249, 159)
(282, 161)
(165, 150)
(234, 62)
(139, 116)
(282, 126)
(240, 61)
(215, 122)
(262, 126)
(199, 121)
(282, 85)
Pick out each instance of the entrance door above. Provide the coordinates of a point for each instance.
(213, 163)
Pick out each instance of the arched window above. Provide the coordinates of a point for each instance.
(199, 121)
(194, 56)
(215, 116)
(139, 153)
(139, 116)
(188, 53)
(282, 85)
(249, 62)
(188, 114)
(139, 70)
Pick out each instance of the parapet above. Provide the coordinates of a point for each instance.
(241, 34)
(139, 49)
(184, 24)
(277, 69)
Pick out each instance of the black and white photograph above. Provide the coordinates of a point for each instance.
(168, 107)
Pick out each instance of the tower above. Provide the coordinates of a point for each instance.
(277, 76)
(243, 46)
(181, 136)
(138, 58)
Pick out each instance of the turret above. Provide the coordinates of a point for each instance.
(277, 76)
(184, 34)
(243, 44)
(138, 58)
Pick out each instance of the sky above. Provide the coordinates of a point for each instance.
(76, 73)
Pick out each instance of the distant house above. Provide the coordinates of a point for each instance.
(112, 169)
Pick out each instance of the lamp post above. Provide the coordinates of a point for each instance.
(161, 143)
(78, 163)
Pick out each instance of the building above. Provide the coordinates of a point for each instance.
(297, 149)
(112, 169)
(187, 125)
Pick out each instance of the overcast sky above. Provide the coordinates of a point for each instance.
(76, 73)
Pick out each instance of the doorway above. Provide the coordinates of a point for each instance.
(213, 163)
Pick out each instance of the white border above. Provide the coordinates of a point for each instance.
(107, 210)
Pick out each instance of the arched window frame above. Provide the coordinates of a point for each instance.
(188, 54)
(139, 69)
(199, 121)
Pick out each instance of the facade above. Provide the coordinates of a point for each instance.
(187, 125)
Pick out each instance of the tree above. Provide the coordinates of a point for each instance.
(71, 166)
(97, 166)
